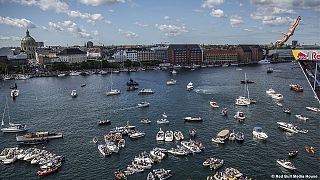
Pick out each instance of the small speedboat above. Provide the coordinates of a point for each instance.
(178, 135)
(178, 152)
(171, 82)
(286, 164)
(74, 93)
(143, 104)
(301, 117)
(162, 121)
(193, 119)
(240, 136)
(296, 87)
(145, 91)
(240, 116)
(258, 133)
(164, 115)
(120, 175)
(145, 121)
(270, 91)
(121, 143)
(293, 154)
(286, 110)
(218, 140)
(160, 135)
(224, 112)
(83, 85)
(104, 122)
(277, 97)
(313, 109)
(137, 134)
(189, 86)
(168, 137)
(214, 104)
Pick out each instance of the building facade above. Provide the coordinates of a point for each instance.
(72, 55)
(13, 57)
(145, 55)
(249, 54)
(160, 54)
(185, 54)
(220, 56)
(132, 55)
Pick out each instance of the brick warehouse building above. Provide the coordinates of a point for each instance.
(184, 54)
(220, 56)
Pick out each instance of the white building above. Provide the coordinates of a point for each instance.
(94, 53)
(132, 55)
(120, 56)
(72, 55)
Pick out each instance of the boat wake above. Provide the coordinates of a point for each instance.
(125, 109)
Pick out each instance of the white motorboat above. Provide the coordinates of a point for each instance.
(12, 128)
(168, 137)
(232, 136)
(164, 115)
(191, 146)
(61, 75)
(258, 133)
(112, 147)
(270, 91)
(218, 140)
(189, 86)
(286, 164)
(174, 71)
(143, 104)
(301, 117)
(163, 121)
(102, 72)
(14, 93)
(112, 91)
(146, 91)
(224, 112)
(214, 104)
(104, 150)
(193, 119)
(121, 143)
(178, 136)
(38, 136)
(291, 128)
(145, 121)
(137, 134)
(74, 93)
(240, 116)
(286, 110)
(277, 97)
(160, 135)
(313, 109)
(178, 152)
(171, 82)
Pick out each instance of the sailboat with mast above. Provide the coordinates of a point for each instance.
(12, 128)
(112, 91)
(242, 100)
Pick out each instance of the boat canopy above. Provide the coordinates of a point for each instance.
(42, 133)
(223, 133)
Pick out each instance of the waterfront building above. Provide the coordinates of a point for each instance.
(145, 55)
(184, 54)
(281, 55)
(249, 54)
(160, 53)
(13, 56)
(132, 55)
(94, 54)
(72, 55)
(47, 55)
(119, 56)
(220, 56)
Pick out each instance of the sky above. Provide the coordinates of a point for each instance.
(124, 22)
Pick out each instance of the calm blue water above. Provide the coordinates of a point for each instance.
(45, 104)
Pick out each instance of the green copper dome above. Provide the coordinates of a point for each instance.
(28, 40)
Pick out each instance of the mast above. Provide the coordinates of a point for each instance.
(4, 111)
(315, 76)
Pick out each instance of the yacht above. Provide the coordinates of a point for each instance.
(143, 104)
(112, 91)
(214, 104)
(74, 93)
(174, 71)
(286, 164)
(301, 117)
(160, 135)
(291, 128)
(242, 101)
(240, 116)
(104, 150)
(168, 137)
(34, 136)
(75, 73)
(12, 128)
(313, 109)
(171, 82)
(190, 86)
(258, 133)
(146, 91)
(193, 119)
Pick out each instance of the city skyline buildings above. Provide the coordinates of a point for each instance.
(118, 22)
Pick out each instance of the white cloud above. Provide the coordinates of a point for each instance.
(288, 4)
(110, 10)
(141, 24)
(128, 34)
(172, 30)
(55, 26)
(240, 4)
(95, 32)
(217, 13)
(108, 22)
(9, 38)
(166, 17)
(211, 3)
(77, 30)
(21, 23)
(273, 20)
(100, 2)
(236, 21)
(92, 18)
(56, 5)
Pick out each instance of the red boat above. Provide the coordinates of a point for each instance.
(49, 170)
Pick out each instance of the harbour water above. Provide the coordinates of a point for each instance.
(45, 104)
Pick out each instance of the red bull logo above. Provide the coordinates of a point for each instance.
(306, 54)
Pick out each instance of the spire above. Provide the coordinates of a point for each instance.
(27, 33)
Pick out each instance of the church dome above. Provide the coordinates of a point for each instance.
(28, 40)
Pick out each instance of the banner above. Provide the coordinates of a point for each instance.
(313, 55)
